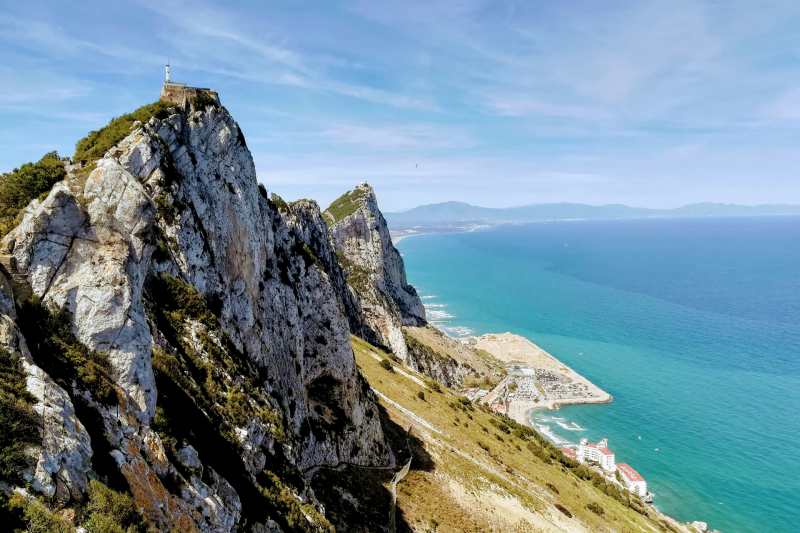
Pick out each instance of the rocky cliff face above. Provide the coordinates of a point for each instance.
(214, 315)
(374, 268)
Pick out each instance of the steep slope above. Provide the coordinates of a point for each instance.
(229, 367)
(474, 471)
(374, 268)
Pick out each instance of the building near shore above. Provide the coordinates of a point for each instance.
(632, 480)
(599, 453)
(570, 453)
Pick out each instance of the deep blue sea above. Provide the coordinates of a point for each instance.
(693, 325)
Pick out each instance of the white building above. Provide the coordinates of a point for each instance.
(599, 453)
(632, 480)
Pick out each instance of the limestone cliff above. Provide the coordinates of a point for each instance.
(228, 338)
(374, 268)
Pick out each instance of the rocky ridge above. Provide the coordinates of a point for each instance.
(374, 269)
(174, 264)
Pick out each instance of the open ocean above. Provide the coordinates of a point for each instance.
(693, 325)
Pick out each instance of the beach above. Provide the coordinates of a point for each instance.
(541, 381)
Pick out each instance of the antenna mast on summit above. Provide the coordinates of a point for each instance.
(167, 70)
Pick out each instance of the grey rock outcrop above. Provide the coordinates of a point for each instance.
(374, 268)
(440, 367)
(62, 465)
(179, 196)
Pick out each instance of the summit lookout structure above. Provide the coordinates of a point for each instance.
(179, 93)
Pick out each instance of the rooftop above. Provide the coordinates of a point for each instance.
(629, 472)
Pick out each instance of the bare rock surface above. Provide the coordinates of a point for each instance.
(185, 187)
(375, 269)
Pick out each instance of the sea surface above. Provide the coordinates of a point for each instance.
(693, 325)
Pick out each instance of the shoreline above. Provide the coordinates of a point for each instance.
(528, 359)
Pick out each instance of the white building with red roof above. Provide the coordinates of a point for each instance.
(599, 453)
(569, 453)
(632, 480)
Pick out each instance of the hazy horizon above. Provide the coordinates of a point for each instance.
(654, 104)
(403, 210)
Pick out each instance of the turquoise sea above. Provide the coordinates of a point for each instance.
(693, 325)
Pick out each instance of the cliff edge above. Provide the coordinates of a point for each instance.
(374, 268)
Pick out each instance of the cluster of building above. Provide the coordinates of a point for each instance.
(562, 391)
(605, 459)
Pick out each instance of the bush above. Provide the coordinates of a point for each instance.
(288, 508)
(39, 518)
(19, 421)
(22, 185)
(60, 353)
(433, 385)
(203, 101)
(113, 512)
(564, 510)
(386, 365)
(421, 395)
(97, 143)
(279, 202)
(595, 508)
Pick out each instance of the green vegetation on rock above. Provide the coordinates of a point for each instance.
(279, 202)
(23, 185)
(58, 351)
(97, 143)
(113, 512)
(107, 511)
(207, 387)
(343, 206)
(204, 101)
(18, 420)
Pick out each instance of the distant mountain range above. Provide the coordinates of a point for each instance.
(450, 212)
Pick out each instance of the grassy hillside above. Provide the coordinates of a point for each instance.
(472, 471)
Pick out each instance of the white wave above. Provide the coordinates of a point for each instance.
(552, 436)
(431, 306)
(570, 427)
(426, 297)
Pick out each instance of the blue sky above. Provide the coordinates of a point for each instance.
(500, 103)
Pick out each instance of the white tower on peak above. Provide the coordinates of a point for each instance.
(168, 71)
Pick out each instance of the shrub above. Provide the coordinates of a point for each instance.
(60, 353)
(564, 510)
(421, 395)
(288, 508)
(97, 143)
(595, 508)
(19, 421)
(279, 202)
(113, 512)
(39, 518)
(204, 101)
(433, 385)
(386, 365)
(552, 488)
(23, 185)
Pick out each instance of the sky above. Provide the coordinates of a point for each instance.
(497, 103)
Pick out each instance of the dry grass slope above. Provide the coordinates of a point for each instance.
(468, 477)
